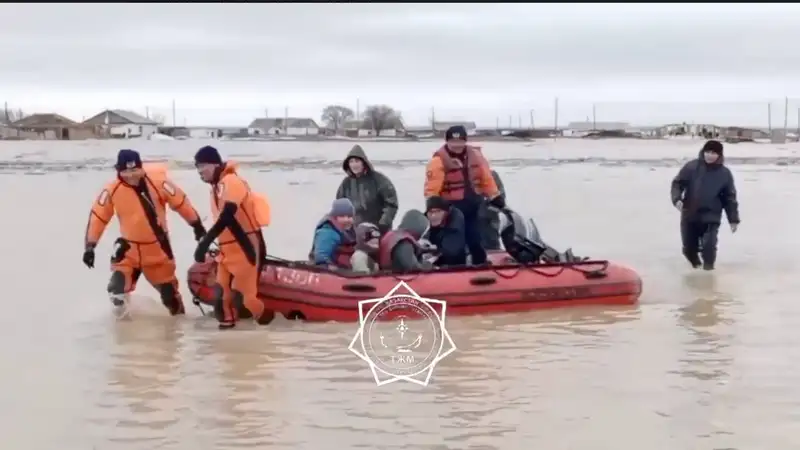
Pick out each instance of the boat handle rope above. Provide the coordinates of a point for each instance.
(572, 266)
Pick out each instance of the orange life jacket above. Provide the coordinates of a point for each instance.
(456, 176)
(388, 243)
(346, 248)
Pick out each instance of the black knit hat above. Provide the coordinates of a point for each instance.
(456, 132)
(713, 146)
(436, 202)
(207, 155)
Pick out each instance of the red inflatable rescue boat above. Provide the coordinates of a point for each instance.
(301, 291)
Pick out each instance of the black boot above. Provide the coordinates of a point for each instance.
(693, 258)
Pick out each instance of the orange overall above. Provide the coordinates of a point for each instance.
(241, 246)
(144, 246)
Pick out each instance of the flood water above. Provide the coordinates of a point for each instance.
(706, 361)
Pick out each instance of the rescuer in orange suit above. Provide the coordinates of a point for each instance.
(239, 213)
(139, 197)
(460, 174)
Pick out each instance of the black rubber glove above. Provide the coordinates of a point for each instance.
(199, 230)
(88, 256)
(498, 202)
(201, 251)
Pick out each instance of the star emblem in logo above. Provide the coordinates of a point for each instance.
(402, 336)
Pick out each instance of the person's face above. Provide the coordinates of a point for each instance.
(206, 171)
(356, 166)
(710, 157)
(132, 176)
(456, 145)
(344, 222)
(436, 216)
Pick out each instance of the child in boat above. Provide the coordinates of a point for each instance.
(364, 259)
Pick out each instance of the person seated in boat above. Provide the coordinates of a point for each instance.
(490, 219)
(365, 258)
(447, 232)
(334, 237)
(402, 250)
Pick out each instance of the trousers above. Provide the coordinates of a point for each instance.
(699, 239)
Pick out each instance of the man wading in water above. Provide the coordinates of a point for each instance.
(701, 191)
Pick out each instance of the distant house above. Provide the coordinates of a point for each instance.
(439, 128)
(289, 126)
(742, 133)
(123, 123)
(583, 128)
(51, 126)
(365, 128)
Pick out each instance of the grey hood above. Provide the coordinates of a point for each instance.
(357, 152)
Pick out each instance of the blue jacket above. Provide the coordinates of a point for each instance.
(327, 240)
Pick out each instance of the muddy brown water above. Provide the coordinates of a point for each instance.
(706, 361)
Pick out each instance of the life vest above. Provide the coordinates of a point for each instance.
(456, 176)
(388, 243)
(252, 214)
(346, 248)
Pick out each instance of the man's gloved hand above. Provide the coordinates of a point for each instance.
(201, 251)
(498, 202)
(88, 256)
(679, 205)
(199, 230)
(734, 227)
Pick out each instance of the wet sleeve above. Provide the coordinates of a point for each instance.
(179, 202)
(340, 192)
(434, 177)
(729, 200)
(499, 182)
(100, 215)
(490, 187)
(404, 257)
(680, 183)
(326, 241)
(388, 196)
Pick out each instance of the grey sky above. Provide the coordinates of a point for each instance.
(224, 63)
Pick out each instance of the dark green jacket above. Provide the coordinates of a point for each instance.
(372, 193)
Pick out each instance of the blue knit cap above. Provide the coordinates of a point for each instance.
(342, 207)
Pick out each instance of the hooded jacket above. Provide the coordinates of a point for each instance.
(706, 190)
(372, 193)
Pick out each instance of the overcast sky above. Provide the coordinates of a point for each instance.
(225, 63)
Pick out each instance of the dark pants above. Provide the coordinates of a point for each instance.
(473, 235)
(699, 238)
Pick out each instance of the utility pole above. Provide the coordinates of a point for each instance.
(594, 117)
(532, 124)
(174, 114)
(555, 119)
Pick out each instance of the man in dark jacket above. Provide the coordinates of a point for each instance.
(490, 219)
(447, 232)
(371, 192)
(701, 191)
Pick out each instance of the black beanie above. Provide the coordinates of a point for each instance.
(456, 132)
(436, 202)
(713, 146)
(128, 159)
(207, 155)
